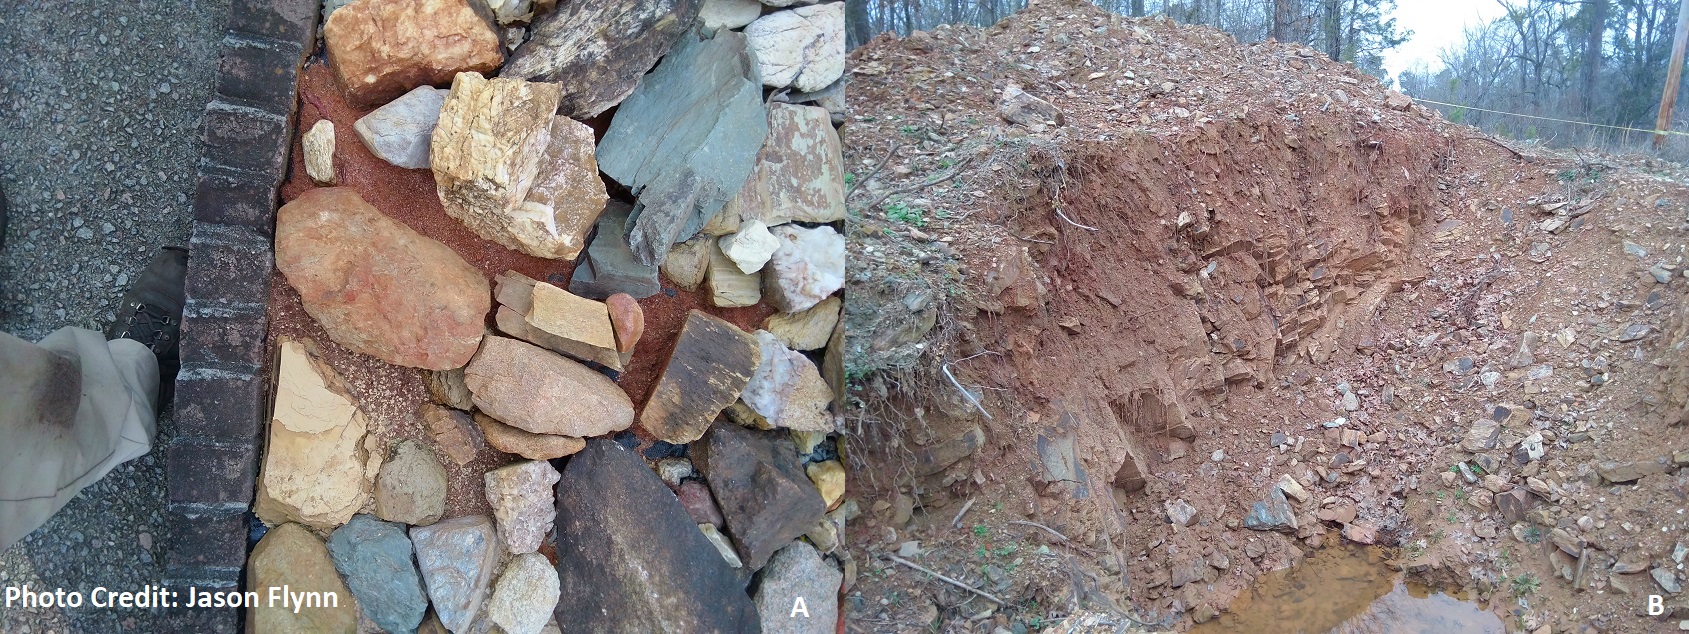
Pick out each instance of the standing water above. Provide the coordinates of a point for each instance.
(1348, 591)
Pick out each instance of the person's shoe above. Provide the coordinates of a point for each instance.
(151, 313)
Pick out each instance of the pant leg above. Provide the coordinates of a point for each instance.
(71, 408)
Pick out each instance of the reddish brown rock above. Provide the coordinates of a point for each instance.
(699, 503)
(543, 392)
(381, 49)
(452, 432)
(628, 319)
(378, 287)
(526, 444)
(711, 364)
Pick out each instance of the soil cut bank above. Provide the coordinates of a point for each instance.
(1188, 310)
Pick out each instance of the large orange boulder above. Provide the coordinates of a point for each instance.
(384, 48)
(378, 287)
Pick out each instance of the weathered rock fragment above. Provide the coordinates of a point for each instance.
(522, 502)
(761, 487)
(599, 50)
(411, 488)
(374, 557)
(452, 431)
(687, 263)
(802, 48)
(712, 362)
(318, 145)
(289, 555)
(542, 392)
(798, 571)
(402, 131)
(381, 49)
(525, 595)
(378, 287)
(807, 329)
(610, 266)
(457, 558)
(808, 267)
(787, 388)
(799, 175)
(728, 14)
(1016, 106)
(316, 469)
(558, 320)
(524, 443)
(730, 287)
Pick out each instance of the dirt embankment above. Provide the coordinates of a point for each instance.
(1225, 266)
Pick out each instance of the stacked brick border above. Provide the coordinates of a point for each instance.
(223, 388)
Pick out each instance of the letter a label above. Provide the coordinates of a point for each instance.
(799, 606)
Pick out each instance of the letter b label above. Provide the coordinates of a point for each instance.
(1656, 605)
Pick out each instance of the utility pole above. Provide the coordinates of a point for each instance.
(1668, 99)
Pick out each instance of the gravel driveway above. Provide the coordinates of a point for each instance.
(99, 138)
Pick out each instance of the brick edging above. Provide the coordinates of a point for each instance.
(222, 391)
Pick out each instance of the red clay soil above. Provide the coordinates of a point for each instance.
(390, 394)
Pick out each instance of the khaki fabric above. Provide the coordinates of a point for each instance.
(71, 408)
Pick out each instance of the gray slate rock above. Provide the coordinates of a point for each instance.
(375, 559)
(598, 50)
(1271, 514)
(798, 571)
(402, 131)
(458, 557)
(760, 485)
(686, 139)
(629, 560)
(610, 267)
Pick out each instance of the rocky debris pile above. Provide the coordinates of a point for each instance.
(722, 150)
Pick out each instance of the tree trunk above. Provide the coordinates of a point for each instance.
(857, 31)
(1283, 14)
(1333, 24)
(1137, 8)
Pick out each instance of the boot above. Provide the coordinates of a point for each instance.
(151, 313)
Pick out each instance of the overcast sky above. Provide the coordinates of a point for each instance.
(1436, 24)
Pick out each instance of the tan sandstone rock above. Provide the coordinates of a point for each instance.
(627, 318)
(378, 287)
(453, 433)
(799, 176)
(318, 145)
(807, 329)
(555, 319)
(526, 444)
(730, 287)
(317, 470)
(688, 261)
(540, 391)
(289, 555)
(381, 49)
(513, 172)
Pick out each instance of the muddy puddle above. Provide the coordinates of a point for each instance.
(1349, 591)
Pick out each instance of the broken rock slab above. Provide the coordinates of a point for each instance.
(513, 172)
(402, 131)
(526, 444)
(411, 488)
(729, 286)
(1482, 436)
(750, 247)
(542, 392)
(710, 366)
(521, 498)
(374, 557)
(378, 287)
(787, 388)
(316, 470)
(728, 14)
(318, 146)
(599, 50)
(688, 262)
(289, 555)
(446, 388)
(685, 140)
(457, 558)
(1271, 514)
(381, 49)
(808, 267)
(453, 433)
(631, 560)
(627, 319)
(525, 596)
(760, 485)
(552, 318)
(801, 48)
(798, 572)
(1016, 106)
(610, 266)
(799, 175)
(807, 329)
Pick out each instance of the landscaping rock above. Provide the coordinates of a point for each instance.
(799, 175)
(447, 388)
(728, 14)
(522, 501)
(402, 131)
(711, 363)
(629, 558)
(627, 319)
(700, 505)
(411, 488)
(688, 262)
(513, 11)
(801, 48)
(374, 557)
(376, 286)
(381, 49)
(316, 469)
(806, 329)
(808, 267)
(525, 595)
(289, 555)
(1272, 514)
(458, 557)
(750, 248)
(599, 50)
(764, 494)
(553, 318)
(722, 545)
(453, 433)
(542, 392)
(526, 444)
(797, 572)
(730, 287)
(829, 479)
(513, 172)
(610, 266)
(318, 146)
(1016, 106)
(685, 140)
(673, 471)
(787, 388)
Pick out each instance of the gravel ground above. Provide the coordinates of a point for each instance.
(99, 117)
